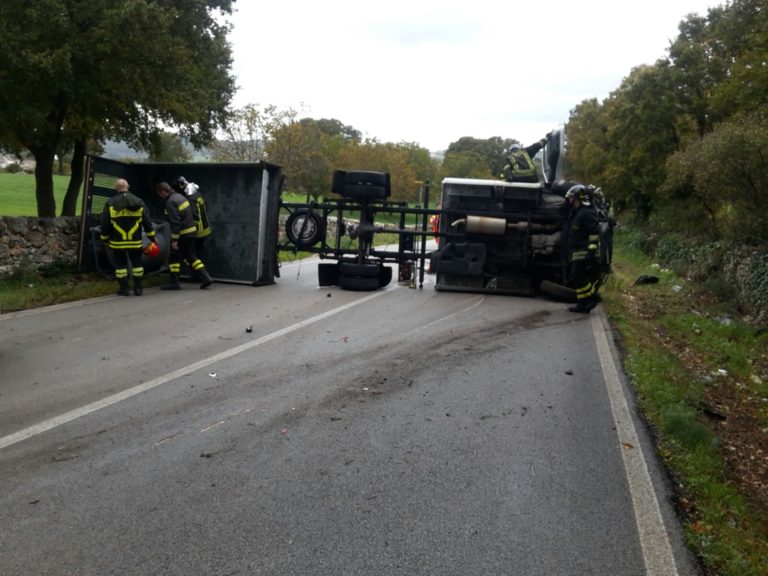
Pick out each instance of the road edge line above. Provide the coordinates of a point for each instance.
(654, 539)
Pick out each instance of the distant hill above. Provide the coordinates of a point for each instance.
(121, 151)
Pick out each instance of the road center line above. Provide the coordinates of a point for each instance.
(51, 423)
(654, 539)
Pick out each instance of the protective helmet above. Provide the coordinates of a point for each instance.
(580, 192)
(180, 184)
(514, 148)
(152, 250)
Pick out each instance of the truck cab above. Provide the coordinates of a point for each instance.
(511, 237)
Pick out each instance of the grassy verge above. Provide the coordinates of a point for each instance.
(17, 194)
(700, 376)
(56, 284)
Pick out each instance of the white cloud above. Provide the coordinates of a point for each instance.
(431, 72)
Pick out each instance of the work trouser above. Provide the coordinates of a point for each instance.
(185, 253)
(583, 278)
(122, 260)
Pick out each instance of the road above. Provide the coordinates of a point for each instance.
(296, 430)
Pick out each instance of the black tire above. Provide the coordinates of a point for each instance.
(359, 284)
(304, 228)
(354, 270)
(385, 276)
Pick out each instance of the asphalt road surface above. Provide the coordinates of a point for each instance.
(296, 430)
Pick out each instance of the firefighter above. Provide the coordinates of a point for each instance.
(520, 166)
(434, 223)
(195, 197)
(122, 220)
(583, 248)
(178, 210)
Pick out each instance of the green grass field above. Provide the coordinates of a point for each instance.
(17, 194)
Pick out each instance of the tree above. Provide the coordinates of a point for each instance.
(387, 157)
(720, 183)
(588, 147)
(491, 151)
(117, 69)
(248, 130)
(467, 164)
(307, 155)
(334, 128)
(168, 147)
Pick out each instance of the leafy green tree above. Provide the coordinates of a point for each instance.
(307, 155)
(491, 151)
(386, 157)
(117, 69)
(641, 132)
(741, 30)
(588, 147)
(334, 128)
(718, 186)
(467, 164)
(698, 67)
(420, 160)
(168, 147)
(248, 130)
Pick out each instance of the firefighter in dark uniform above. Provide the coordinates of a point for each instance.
(520, 166)
(181, 218)
(192, 192)
(583, 248)
(122, 220)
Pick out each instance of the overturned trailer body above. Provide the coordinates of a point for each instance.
(242, 201)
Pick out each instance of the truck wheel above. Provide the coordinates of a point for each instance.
(359, 284)
(385, 276)
(358, 270)
(304, 228)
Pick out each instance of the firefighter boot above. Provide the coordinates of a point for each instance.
(206, 279)
(123, 290)
(586, 305)
(173, 283)
(138, 286)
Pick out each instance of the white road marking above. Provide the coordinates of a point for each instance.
(46, 425)
(654, 539)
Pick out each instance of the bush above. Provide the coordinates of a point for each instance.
(673, 252)
(13, 168)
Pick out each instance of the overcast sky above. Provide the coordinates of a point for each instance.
(432, 71)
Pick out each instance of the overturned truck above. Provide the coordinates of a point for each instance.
(493, 236)
(512, 237)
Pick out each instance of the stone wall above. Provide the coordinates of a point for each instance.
(32, 242)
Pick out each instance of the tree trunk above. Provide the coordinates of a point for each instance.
(46, 202)
(75, 180)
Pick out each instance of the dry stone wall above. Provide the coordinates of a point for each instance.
(32, 242)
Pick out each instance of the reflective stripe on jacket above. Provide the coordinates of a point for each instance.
(180, 216)
(519, 165)
(200, 212)
(122, 221)
(583, 233)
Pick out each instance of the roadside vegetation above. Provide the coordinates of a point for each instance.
(701, 378)
(17, 193)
